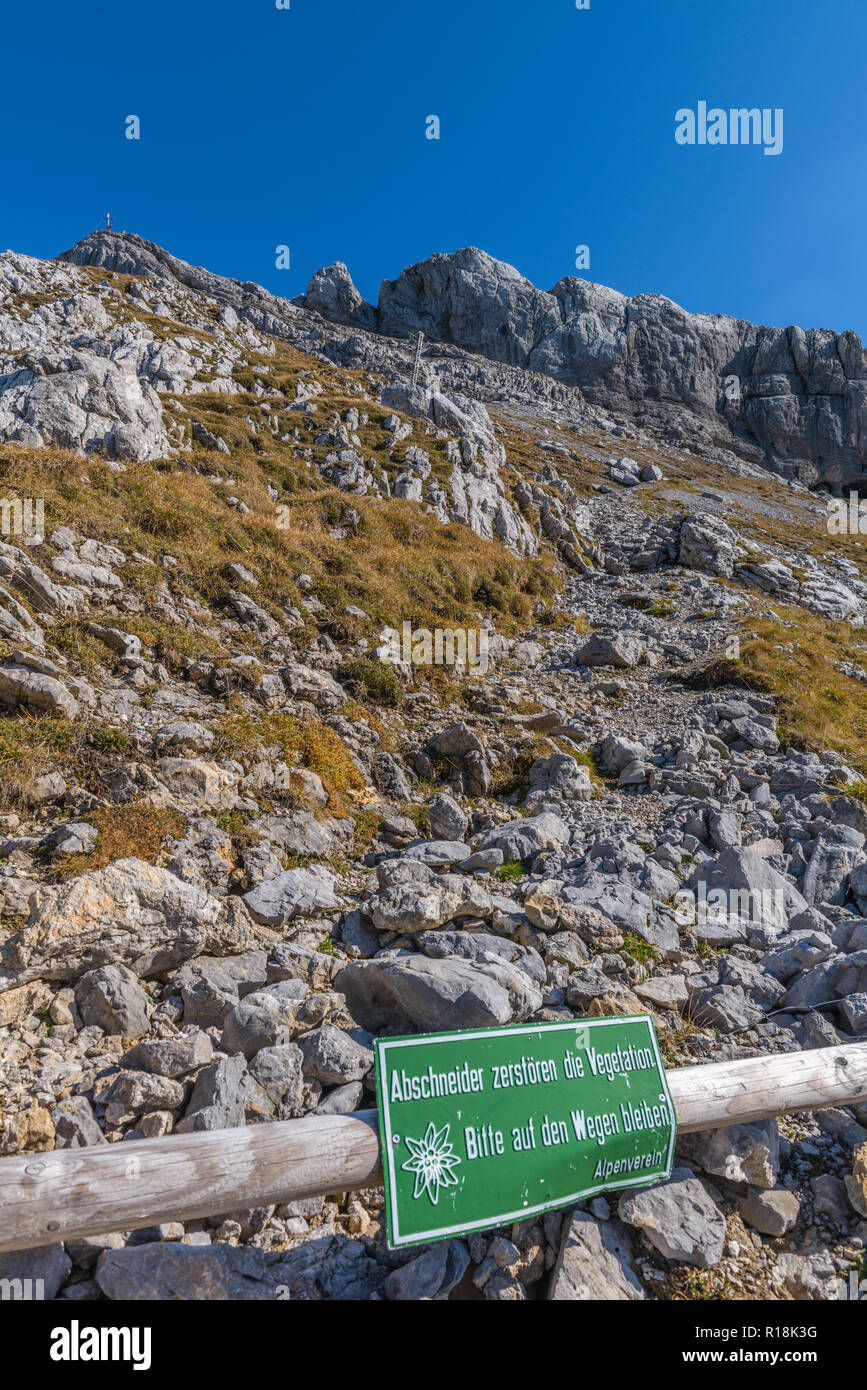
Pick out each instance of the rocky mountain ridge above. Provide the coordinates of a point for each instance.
(792, 400)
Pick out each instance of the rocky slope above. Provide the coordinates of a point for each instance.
(236, 844)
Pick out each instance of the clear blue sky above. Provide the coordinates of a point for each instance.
(306, 127)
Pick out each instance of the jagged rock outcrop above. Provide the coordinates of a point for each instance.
(332, 294)
(799, 404)
(84, 403)
(478, 498)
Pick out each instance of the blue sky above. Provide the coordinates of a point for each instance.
(306, 127)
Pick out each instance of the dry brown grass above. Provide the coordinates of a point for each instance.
(302, 743)
(397, 564)
(793, 659)
(132, 831)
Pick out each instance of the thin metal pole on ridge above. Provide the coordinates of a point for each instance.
(416, 366)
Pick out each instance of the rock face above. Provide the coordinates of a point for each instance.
(128, 914)
(595, 1262)
(800, 404)
(84, 403)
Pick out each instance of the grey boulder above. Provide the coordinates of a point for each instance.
(559, 777)
(747, 1153)
(295, 893)
(217, 1101)
(708, 543)
(276, 1083)
(130, 913)
(171, 1271)
(524, 838)
(436, 994)
(19, 685)
(265, 1018)
(447, 820)
(416, 899)
(679, 1219)
(49, 1264)
(594, 1262)
(619, 649)
(75, 1125)
(112, 998)
(773, 1211)
(334, 1057)
(431, 1275)
(173, 1057)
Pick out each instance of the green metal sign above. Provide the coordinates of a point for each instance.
(498, 1124)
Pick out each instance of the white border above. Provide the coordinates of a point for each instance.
(498, 1219)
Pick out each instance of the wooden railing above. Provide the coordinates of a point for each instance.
(73, 1193)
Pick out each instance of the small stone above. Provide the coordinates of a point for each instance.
(773, 1211)
(829, 1197)
(156, 1124)
(113, 999)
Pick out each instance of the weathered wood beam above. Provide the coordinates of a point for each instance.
(74, 1193)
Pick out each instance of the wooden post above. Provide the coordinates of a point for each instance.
(73, 1193)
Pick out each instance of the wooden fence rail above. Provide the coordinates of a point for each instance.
(73, 1193)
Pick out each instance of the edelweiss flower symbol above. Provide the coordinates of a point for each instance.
(432, 1162)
